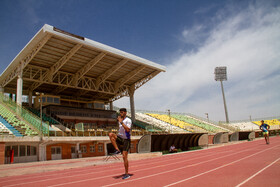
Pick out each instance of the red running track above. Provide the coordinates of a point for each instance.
(245, 164)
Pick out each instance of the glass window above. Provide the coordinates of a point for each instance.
(28, 150)
(58, 150)
(7, 151)
(84, 148)
(99, 105)
(56, 100)
(49, 99)
(92, 148)
(15, 148)
(33, 151)
(22, 150)
(73, 149)
(100, 148)
(53, 150)
(44, 99)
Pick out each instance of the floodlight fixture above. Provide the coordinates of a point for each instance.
(221, 75)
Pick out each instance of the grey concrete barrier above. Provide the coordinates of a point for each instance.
(234, 137)
(221, 137)
(161, 142)
(249, 135)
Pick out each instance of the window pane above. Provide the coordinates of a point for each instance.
(33, 150)
(7, 151)
(28, 150)
(15, 148)
(73, 149)
(56, 100)
(49, 99)
(22, 151)
(100, 148)
(53, 150)
(92, 148)
(84, 149)
(58, 150)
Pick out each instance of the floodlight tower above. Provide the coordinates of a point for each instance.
(221, 75)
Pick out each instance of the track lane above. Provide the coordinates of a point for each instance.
(198, 161)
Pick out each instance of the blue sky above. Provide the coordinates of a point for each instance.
(190, 38)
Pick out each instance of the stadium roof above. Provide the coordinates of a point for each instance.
(60, 63)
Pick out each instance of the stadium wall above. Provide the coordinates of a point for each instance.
(2, 153)
(44, 149)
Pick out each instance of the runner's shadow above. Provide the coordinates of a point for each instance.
(120, 176)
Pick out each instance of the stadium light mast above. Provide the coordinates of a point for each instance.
(221, 75)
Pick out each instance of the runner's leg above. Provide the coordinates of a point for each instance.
(113, 138)
(125, 161)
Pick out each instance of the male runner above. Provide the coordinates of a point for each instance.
(122, 139)
(265, 127)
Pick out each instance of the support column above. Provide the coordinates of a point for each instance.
(111, 105)
(2, 95)
(105, 148)
(30, 98)
(19, 89)
(132, 107)
(42, 152)
(79, 154)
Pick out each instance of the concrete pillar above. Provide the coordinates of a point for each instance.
(42, 152)
(105, 147)
(19, 89)
(30, 99)
(79, 153)
(2, 94)
(111, 105)
(132, 107)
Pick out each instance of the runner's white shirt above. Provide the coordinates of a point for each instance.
(122, 133)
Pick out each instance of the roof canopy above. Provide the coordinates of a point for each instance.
(60, 63)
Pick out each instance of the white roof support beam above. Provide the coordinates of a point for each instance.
(146, 79)
(87, 68)
(127, 77)
(64, 79)
(81, 72)
(109, 72)
(17, 69)
(55, 68)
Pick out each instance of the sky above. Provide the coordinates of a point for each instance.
(189, 37)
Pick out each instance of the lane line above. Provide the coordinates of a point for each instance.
(186, 167)
(257, 173)
(218, 168)
(170, 157)
(141, 165)
(85, 180)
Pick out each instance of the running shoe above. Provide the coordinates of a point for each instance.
(126, 176)
(116, 152)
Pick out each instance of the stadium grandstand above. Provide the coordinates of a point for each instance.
(56, 102)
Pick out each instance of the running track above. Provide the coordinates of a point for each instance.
(245, 164)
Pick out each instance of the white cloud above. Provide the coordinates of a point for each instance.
(248, 43)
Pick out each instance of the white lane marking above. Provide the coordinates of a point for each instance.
(189, 166)
(257, 173)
